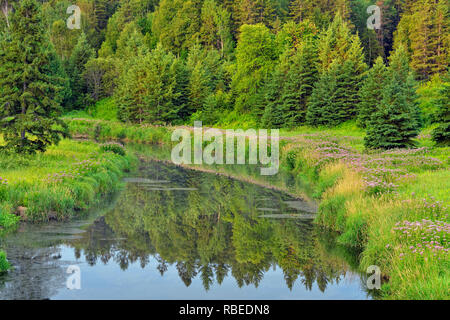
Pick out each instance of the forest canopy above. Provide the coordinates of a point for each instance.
(273, 63)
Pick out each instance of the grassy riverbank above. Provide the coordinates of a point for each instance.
(393, 205)
(57, 185)
(61, 183)
(114, 130)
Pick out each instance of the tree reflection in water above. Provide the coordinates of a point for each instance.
(211, 227)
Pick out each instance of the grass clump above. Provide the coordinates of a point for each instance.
(113, 147)
(57, 184)
(113, 130)
(4, 264)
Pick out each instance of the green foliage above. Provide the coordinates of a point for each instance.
(322, 101)
(81, 54)
(4, 264)
(335, 98)
(370, 93)
(176, 24)
(147, 91)
(100, 75)
(256, 54)
(428, 97)
(114, 148)
(424, 30)
(105, 109)
(28, 88)
(396, 121)
(441, 134)
(288, 92)
(215, 31)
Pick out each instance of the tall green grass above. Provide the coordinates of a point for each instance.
(4, 264)
(60, 183)
(114, 130)
(368, 220)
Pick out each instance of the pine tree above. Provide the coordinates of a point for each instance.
(274, 113)
(424, 31)
(29, 108)
(147, 90)
(341, 57)
(198, 88)
(442, 133)
(288, 92)
(321, 106)
(370, 93)
(256, 11)
(215, 31)
(256, 56)
(81, 54)
(176, 24)
(395, 122)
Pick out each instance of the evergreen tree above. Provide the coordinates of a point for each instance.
(257, 11)
(424, 31)
(395, 122)
(199, 87)
(291, 86)
(256, 56)
(442, 133)
(370, 93)
(215, 31)
(29, 107)
(324, 98)
(274, 113)
(176, 24)
(341, 58)
(81, 54)
(147, 90)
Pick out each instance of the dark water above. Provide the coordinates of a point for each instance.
(174, 233)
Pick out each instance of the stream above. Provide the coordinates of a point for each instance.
(177, 233)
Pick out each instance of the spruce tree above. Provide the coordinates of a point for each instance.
(341, 57)
(395, 122)
(442, 133)
(147, 90)
(370, 93)
(324, 98)
(29, 107)
(423, 30)
(81, 54)
(274, 113)
(288, 92)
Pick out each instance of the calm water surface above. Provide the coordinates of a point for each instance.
(174, 233)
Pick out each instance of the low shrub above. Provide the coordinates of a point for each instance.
(4, 264)
(113, 147)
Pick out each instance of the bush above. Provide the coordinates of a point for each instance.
(4, 264)
(113, 147)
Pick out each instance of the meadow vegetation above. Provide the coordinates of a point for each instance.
(348, 98)
(59, 184)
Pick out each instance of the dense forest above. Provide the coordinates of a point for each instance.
(248, 63)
